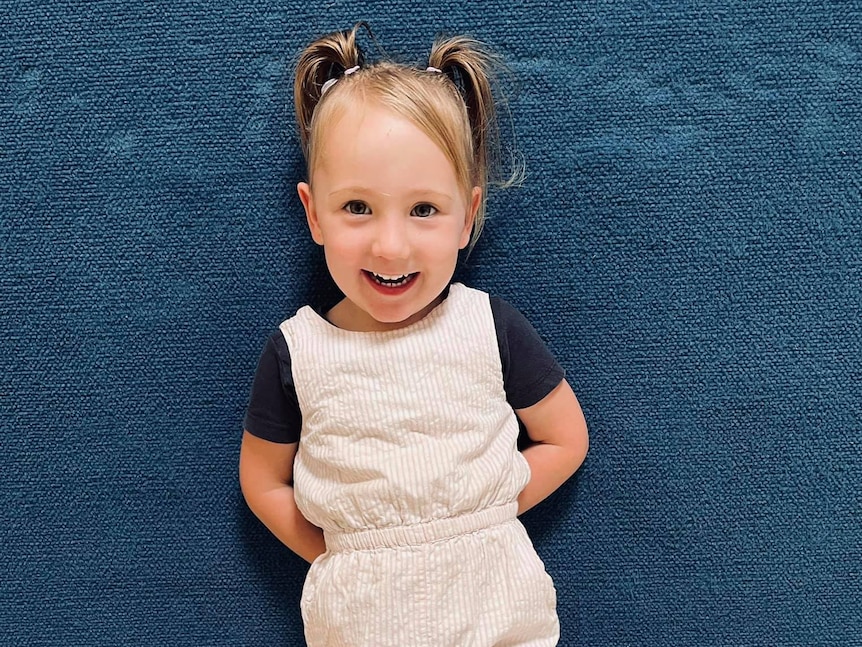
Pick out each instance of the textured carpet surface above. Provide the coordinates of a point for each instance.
(688, 240)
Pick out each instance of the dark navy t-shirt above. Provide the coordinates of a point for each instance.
(530, 373)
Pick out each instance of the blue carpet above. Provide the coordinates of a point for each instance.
(688, 240)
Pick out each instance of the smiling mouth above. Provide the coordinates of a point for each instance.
(391, 281)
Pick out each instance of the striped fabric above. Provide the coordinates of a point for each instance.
(408, 461)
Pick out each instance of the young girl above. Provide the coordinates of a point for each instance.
(381, 436)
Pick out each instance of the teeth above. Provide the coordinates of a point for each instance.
(391, 281)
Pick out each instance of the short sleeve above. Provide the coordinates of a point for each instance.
(530, 371)
(273, 411)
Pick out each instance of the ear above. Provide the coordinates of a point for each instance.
(475, 201)
(307, 199)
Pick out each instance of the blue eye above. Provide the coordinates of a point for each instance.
(423, 210)
(357, 208)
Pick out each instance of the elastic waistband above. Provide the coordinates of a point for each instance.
(421, 533)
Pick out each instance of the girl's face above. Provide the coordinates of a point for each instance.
(385, 204)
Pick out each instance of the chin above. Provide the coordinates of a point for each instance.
(396, 316)
(391, 318)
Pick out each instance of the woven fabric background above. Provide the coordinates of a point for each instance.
(688, 240)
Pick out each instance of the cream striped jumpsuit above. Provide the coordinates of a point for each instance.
(408, 462)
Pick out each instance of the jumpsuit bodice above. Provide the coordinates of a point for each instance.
(406, 426)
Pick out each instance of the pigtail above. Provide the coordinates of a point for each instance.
(324, 59)
(473, 70)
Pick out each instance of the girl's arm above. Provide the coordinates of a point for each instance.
(558, 430)
(265, 475)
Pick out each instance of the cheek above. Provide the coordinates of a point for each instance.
(340, 249)
(442, 248)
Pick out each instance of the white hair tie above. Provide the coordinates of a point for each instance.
(326, 86)
(434, 69)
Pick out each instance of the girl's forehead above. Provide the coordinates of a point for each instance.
(361, 142)
(370, 135)
(355, 117)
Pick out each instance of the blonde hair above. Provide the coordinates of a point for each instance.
(454, 108)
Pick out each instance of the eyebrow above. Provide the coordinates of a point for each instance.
(358, 190)
(350, 189)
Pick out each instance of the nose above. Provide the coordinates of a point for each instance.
(391, 239)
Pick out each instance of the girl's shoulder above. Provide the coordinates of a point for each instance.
(530, 370)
